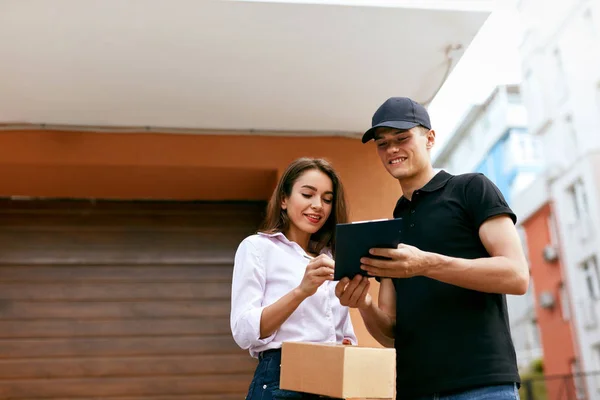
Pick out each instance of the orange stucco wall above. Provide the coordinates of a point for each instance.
(200, 167)
(556, 332)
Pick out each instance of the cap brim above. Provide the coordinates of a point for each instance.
(402, 125)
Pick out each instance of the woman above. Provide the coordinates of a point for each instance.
(282, 286)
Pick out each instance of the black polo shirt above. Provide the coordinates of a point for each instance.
(450, 338)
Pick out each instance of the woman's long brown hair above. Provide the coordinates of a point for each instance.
(277, 220)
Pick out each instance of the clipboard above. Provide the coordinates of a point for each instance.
(353, 241)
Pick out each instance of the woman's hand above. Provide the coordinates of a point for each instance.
(318, 270)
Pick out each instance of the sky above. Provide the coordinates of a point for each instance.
(492, 59)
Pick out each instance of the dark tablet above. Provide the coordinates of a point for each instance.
(353, 241)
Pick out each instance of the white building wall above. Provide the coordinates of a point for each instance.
(524, 332)
(472, 142)
(487, 128)
(578, 216)
(561, 89)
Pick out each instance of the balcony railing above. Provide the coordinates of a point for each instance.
(581, 386)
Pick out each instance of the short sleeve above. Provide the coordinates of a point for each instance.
(484, 200)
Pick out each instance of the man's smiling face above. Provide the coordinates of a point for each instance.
(404, 154)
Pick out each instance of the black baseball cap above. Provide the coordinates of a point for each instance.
(399, 113)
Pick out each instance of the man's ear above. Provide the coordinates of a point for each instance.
(430, 138)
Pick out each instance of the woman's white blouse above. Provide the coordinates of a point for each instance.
(268, 266)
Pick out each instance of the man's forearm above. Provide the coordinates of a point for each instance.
(490, 275)
(378, 324)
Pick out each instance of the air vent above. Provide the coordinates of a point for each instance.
(546, 300)
(550, 254)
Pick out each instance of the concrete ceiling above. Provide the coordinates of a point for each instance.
(223, 65)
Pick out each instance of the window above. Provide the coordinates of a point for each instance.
(485, 123)
(514, 98)
(533, 334)
(578, 199)
(470, 141)
(512, 152)
(530, 152)
(553, 231)
(588, 22)
(521, 148)
(571, 145)
(449, 166)
(577, 379)
(523, 236)
(491, 168)
(560, 76)
(534, 99)
(564, 302)
(592, 278)
(596, 351)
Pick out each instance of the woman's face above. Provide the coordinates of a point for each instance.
(310, 202)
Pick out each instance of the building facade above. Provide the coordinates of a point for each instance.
(550, 294)
(492, 139)
(560, 55)
(139, 143)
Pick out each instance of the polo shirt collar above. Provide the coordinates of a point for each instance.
(438, 181)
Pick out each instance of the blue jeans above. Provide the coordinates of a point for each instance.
(265, 383)
(497, 392)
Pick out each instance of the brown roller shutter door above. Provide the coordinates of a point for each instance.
(120, 300)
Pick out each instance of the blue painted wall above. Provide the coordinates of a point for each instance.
(501, 167)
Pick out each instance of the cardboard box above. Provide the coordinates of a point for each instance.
(338, 371)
